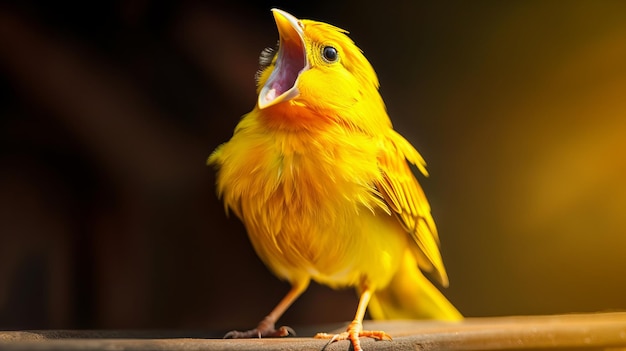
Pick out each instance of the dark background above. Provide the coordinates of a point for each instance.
(109, 109)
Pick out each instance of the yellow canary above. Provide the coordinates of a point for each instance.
(322, 183)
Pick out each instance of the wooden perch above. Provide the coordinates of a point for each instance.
(558, 332)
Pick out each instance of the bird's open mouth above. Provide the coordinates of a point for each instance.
(291, 61)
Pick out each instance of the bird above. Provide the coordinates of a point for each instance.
(324, 187)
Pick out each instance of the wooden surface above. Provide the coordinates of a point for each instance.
(599, 331)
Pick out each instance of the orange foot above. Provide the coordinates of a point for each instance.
(353, 333)
(265, 329)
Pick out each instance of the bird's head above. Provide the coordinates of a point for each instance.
(317, 66)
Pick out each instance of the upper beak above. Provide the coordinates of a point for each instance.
(290, 62)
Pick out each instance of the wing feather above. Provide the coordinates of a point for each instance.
(405, 198)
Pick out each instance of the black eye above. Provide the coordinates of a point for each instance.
(330, 54)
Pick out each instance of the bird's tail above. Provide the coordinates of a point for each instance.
(410, 295)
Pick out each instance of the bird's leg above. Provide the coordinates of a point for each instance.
(355, 329)
(266, 328)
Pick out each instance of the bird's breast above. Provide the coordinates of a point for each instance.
(306, 201)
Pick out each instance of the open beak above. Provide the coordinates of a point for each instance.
(282, 85)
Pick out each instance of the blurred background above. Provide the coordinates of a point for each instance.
(109, 109)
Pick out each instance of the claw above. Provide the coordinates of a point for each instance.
(265, 329)
(353, 333)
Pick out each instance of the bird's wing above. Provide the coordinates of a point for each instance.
(406, 199)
